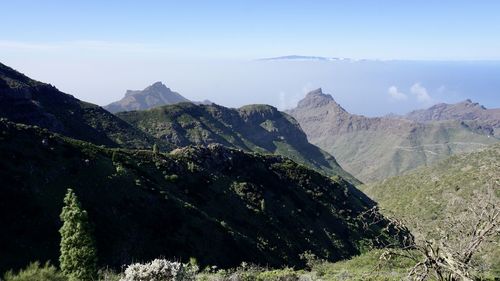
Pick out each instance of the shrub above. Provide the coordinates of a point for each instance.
(34, 271)
(172, 178)
(160, 270)
(78, 253)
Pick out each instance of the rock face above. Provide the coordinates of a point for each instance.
(466, 110)
(219, 205)
(155, 95)
(256, 128)
(23, 100)
(375, 148)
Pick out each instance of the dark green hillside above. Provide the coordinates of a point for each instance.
(257, 128)
(220, 205)
(426, 195)
(27, 101)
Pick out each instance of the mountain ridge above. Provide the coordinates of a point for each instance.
(463, 111)
(256, 128)
(24, 100)
(372, 148)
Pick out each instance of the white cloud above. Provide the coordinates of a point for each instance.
(421, 93)
(287, 101)
(396, 94)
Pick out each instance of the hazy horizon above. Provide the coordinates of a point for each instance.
(372, 88)
(418, 54)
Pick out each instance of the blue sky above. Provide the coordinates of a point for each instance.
(96, 50)
(248, 29)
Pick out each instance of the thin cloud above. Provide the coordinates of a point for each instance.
(287, 101)
(395, 94)
(87, 45)
(421, 93)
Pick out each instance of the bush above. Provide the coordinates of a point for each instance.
(78, 253)
(160, 270)
(34, 271)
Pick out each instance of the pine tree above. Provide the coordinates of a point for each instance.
(78, 253)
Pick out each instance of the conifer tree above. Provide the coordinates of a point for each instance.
(78, 253)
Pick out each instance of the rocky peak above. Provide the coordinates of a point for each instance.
(157, 86)
(154, 95)
(316, 98)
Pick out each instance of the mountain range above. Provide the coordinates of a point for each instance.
(372, 149)
(145, 203)
(463, 111)
(227, 185)
(305, 58)
(252, 128)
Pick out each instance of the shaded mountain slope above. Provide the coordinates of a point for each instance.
(375, 148)
(258, 128)
(27, 101)
(152, 96)
(426, 195)
(220, 205)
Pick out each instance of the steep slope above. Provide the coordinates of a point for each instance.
(426, 195)
(155, 95)
(258, 128)
(375, 148)
(466, 110)
(220, 205)
(27, 101)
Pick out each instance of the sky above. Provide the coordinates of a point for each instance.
(96, 50)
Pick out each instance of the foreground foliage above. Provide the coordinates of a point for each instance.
(35, 271)
(160, 270)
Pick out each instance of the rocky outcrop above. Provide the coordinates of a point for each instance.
(155, 95)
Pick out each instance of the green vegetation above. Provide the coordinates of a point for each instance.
(34, 271)
(78, 253)
(427, 197)
(252, 128)
(367, 266)
(160, 206)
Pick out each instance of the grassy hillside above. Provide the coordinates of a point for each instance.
(257, 128)
(376, 154)
(220, 205)
(427, 195)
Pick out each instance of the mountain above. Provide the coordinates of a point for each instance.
(466, 110)
(372, 149)
(304, 58)
(256, 128)
(155, 95)
(427, 195)
(251, 128)
(219, 205)
(24, 100)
